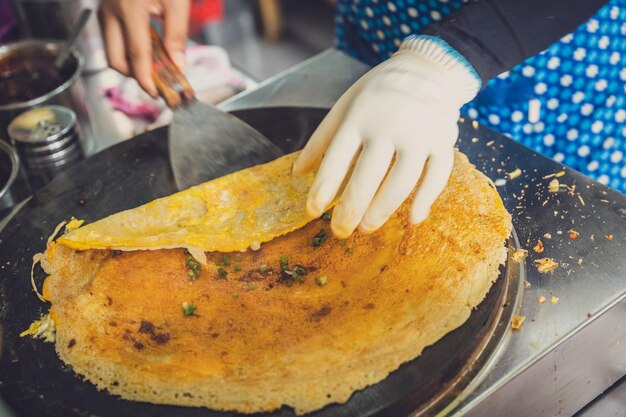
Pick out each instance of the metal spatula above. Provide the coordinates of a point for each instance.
(204, 142)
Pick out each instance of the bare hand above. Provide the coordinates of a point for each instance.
(126, 27)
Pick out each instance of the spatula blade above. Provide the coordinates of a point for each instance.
(206, 143)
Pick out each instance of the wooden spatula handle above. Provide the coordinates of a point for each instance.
(170, 81)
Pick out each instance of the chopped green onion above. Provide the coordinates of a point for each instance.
(222, 272)
(250, 286)
(188, 308)
(237, 267)
(284, 263)
(320, 238)
(343, 242)
(218, 262)
(193, 268)
(321, 281)
(226, 260)
(327, 216)
(349, 250)
(192, 264)
(264, 269)
(299, 270)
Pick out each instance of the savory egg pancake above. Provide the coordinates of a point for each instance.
(230, 213)
(305, 321)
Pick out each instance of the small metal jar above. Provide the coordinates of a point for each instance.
(47, 140)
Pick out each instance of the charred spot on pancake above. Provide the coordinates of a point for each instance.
(321, 313)
(256, 275)
(109, 301)
(71, 343)
(112, 323)
(138, 345)
(215, 335)
(116, 253)
(369, 306)
(161, 338)
(146, 327)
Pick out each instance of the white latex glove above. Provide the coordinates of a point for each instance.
(406, 107)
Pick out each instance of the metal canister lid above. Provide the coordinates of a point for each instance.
(41, 127)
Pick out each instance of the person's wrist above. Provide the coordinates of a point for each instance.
(453, 66)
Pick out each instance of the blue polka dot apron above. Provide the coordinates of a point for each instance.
(568, 102)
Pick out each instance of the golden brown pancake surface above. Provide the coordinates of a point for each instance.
(260, 337)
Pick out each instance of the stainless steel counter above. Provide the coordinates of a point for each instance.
(566, 353)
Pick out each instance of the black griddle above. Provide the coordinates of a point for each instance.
(34, 382)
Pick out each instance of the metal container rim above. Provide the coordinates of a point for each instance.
(15, 166)
(50, 140)
(51, 45)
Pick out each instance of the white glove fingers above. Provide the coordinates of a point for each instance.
(369, 172)
(434, 181)
(313, 152)
(399, 183)
(333, 169)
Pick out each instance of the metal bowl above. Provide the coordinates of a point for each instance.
(13, 188)
(69, 92)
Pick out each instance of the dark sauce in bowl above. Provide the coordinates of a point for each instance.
(26, 75)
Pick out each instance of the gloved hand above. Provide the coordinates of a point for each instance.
(406, 107)
(126, 27)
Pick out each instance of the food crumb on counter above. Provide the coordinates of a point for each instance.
(514, 174)
(554, 299)
(553, 186)
(538, 247)
(545, 265)
(609, 237)
(541, 299)
(527, 284)
(573, 234)
(556, 174)
(519, 255)
(517, 321)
